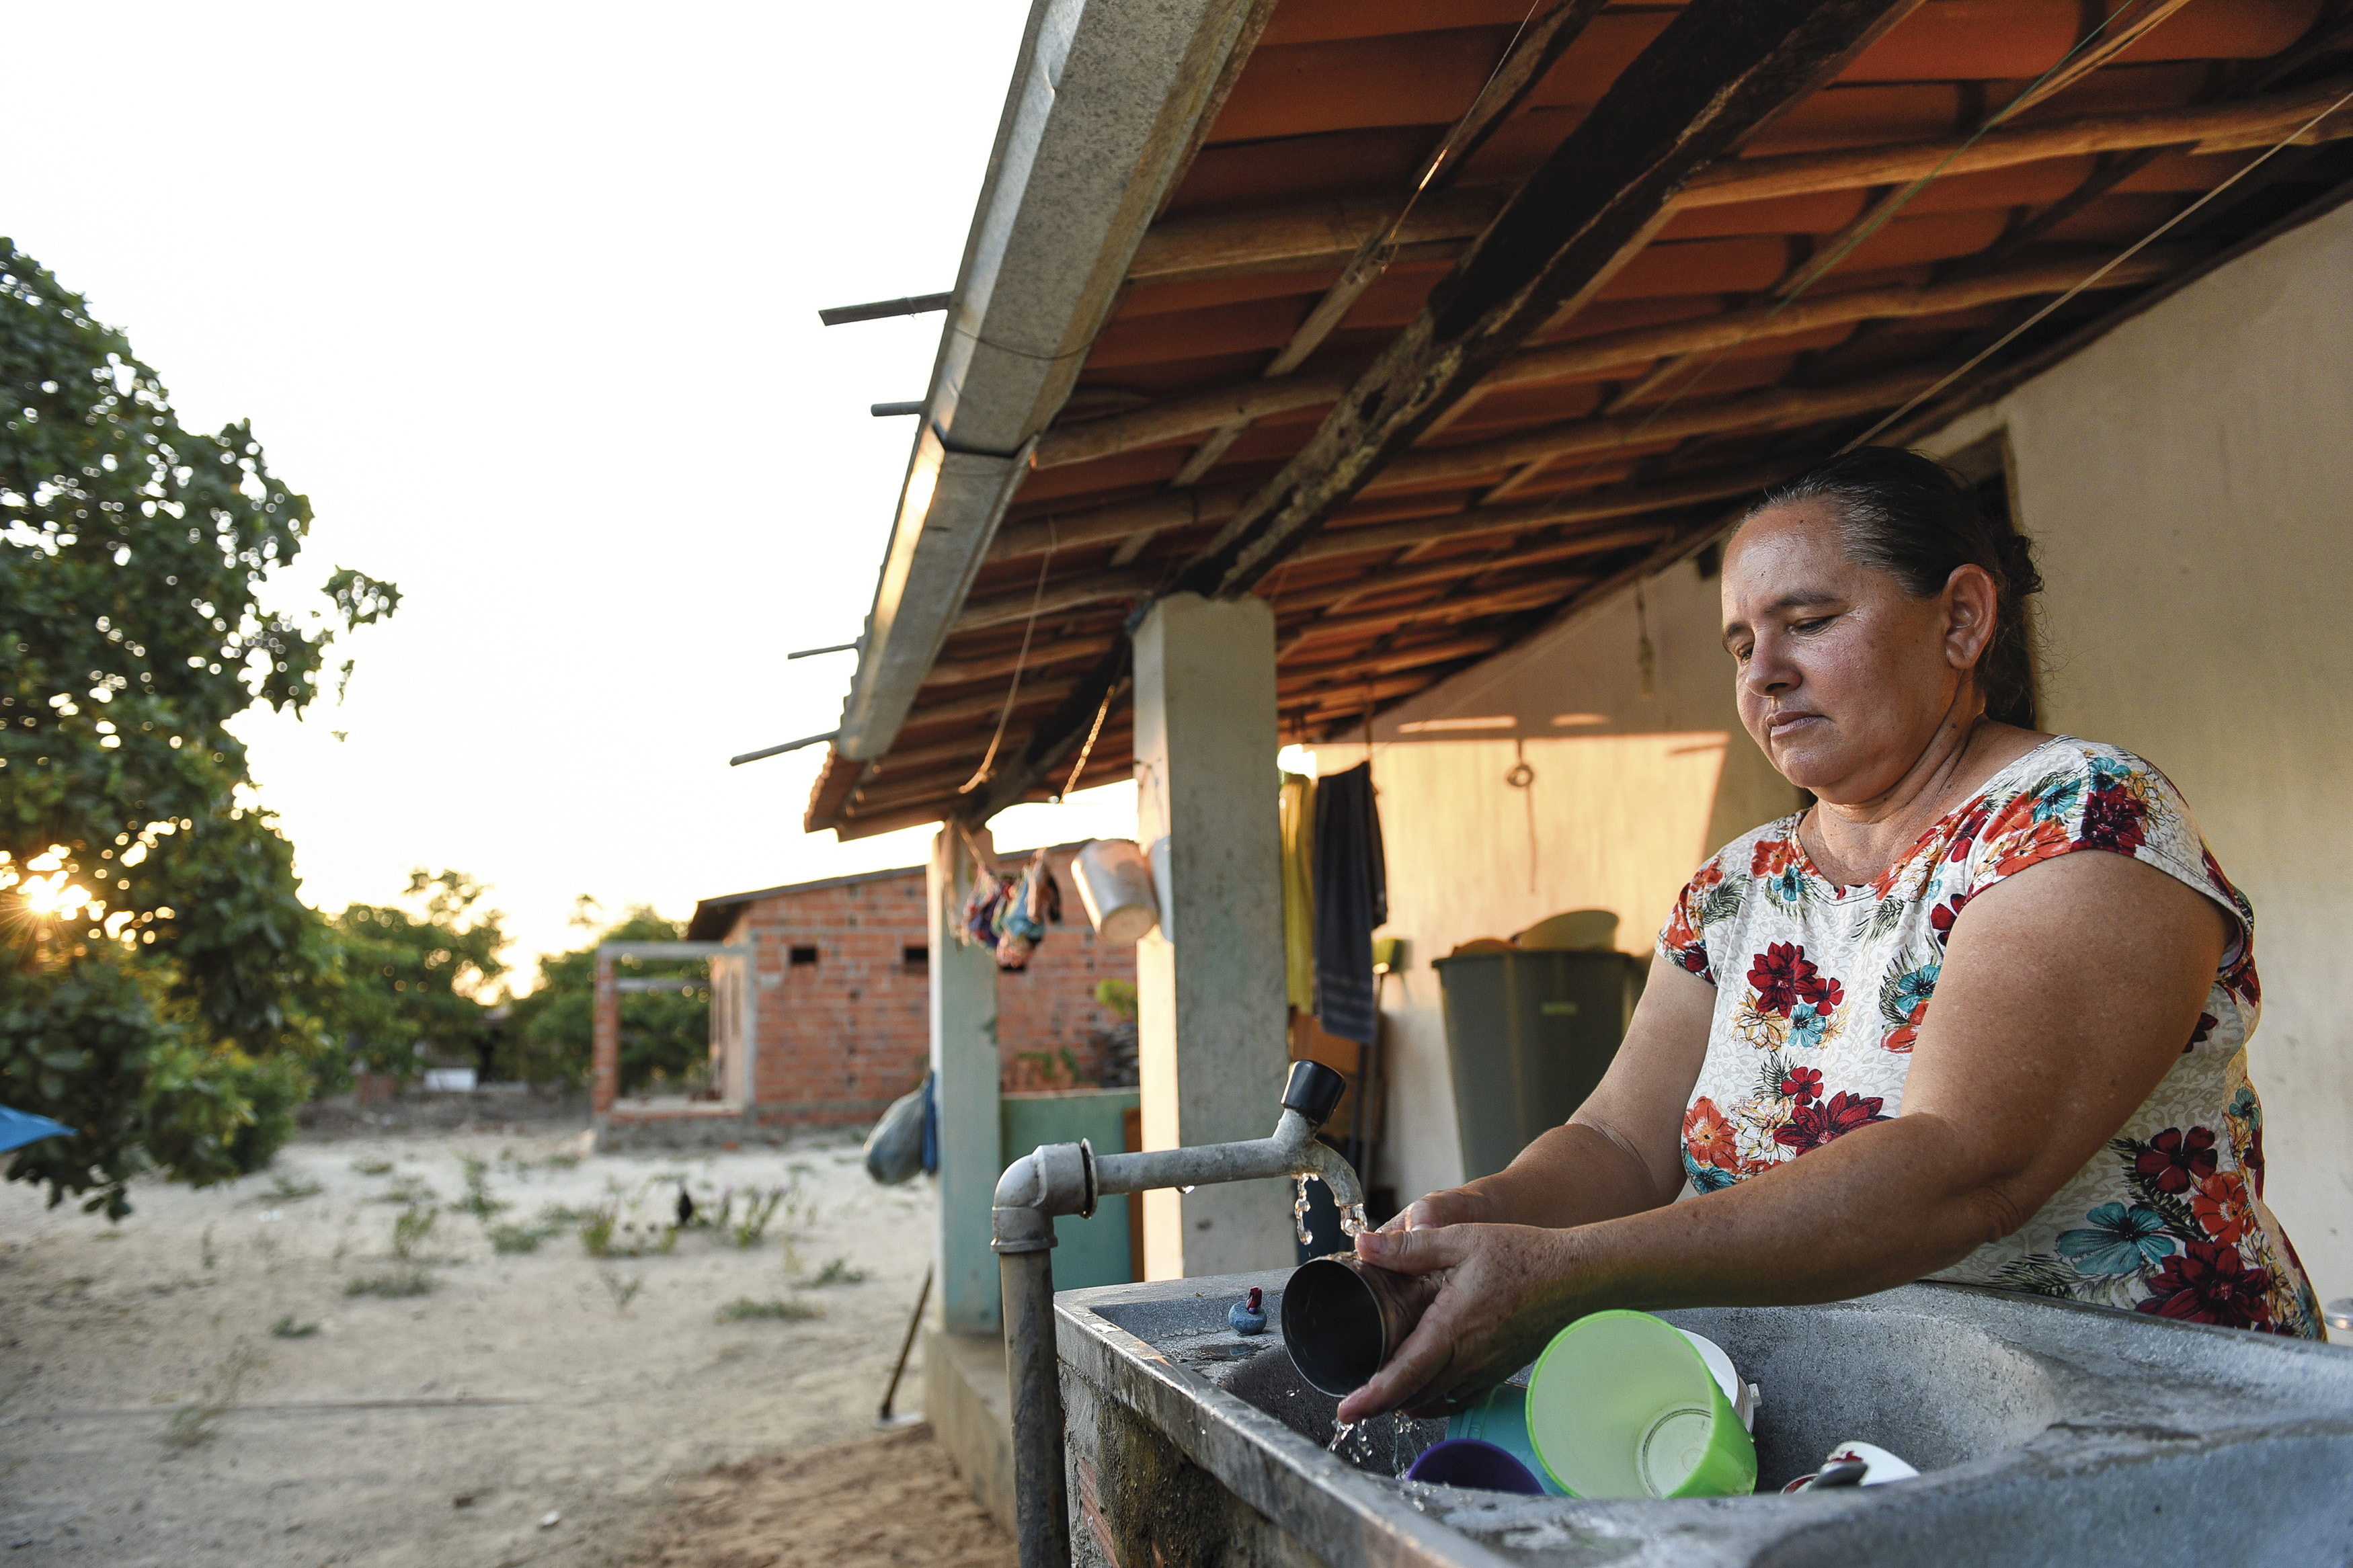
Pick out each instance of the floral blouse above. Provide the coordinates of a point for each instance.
(1822, 989)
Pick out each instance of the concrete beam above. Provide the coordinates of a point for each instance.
(1210, 983)
(1102, 113)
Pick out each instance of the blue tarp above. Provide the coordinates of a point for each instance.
(18, 1128)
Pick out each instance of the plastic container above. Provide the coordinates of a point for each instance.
(1621, 1404)
(1482, 1467)
(1501, 1418)
(1528, 1036)
(1115, 885)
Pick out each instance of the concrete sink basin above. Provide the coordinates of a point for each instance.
(2046, 1432)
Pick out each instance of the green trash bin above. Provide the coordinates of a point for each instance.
(1528, 1036)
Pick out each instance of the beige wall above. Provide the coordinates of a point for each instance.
(1624, 810)
(2189, 483)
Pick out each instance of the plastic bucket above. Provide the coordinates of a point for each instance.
(1621, 1404)
(1115, 885)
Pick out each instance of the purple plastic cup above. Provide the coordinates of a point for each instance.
(1474, 1463)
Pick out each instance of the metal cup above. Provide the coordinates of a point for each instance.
(1343, 1318)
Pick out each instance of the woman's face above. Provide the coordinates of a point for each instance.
(1843, 677)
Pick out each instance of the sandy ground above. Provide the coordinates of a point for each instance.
(163, 1398)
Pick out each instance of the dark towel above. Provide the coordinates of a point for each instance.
(1352, 896)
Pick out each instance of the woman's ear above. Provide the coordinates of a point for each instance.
(1971, 603)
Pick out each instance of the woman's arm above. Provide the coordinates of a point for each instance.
(1619, 1154)
(2066, 994)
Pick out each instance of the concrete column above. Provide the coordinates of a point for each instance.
(964, 1056)
(1209, 991)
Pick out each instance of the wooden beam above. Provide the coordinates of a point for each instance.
(1721, 69)
(1162, 423)
(1094, 588)
(1102, 525)
(1063, 650)
(2211, 127)
(1416, 658)
(1589, 506)
(1776, 409)
(1295, 239)
(1534, 52)
(1374, 693)
(1462, 568)
(983, 705)
(1517, 599)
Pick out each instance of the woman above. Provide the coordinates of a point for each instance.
(1909, 1032)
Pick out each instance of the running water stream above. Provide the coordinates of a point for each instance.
(1351, 1218)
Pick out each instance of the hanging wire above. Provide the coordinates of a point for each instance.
(2119, 260)
(1037, 596)
(1088, 750)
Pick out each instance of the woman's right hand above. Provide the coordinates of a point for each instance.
(1448, 1206)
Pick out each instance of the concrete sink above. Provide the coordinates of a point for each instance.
(2046, 1432)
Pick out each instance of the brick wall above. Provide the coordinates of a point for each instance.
(847, 1030)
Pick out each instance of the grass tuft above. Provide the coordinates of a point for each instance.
(373, 1167)
(838, 1272)
(745, 1309)
(394, 1285)
(286, 1328)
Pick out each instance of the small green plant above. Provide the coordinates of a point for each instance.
(409, 1190)
(623, 1291)
(373, 1167)
(518, 1238)
(192, 1424)
(393, 1285)
(410, 1231)
(597, 1232)
(743, 1310)
(477, 1200)
(759, 1208)
(285, 1192)
(1119, 995)
(205, 1248)
(286, 1328)
(563, 1162)
(838, 1272)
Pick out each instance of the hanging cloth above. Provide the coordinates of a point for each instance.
(1299, 890)
(1352, 896)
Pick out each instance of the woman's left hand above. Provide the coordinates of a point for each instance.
(1508, 1290)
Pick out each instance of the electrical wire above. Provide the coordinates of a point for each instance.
(1037, 596)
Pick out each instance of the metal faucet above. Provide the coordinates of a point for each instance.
(1069, 1178)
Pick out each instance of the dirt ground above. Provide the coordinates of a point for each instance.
(196, 1387)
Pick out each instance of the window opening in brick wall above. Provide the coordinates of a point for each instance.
(915, 957)
(804, 956)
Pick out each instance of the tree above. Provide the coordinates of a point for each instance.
(160, 977)
(665, 1035)
(410, 984)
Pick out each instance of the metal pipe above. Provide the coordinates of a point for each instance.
(1068, 1178)
(895, 410)
(1041, 1507)
(914, 305)
(742, 757)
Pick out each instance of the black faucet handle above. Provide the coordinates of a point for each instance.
(1313, 1091)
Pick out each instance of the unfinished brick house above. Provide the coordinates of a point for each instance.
(841, 990)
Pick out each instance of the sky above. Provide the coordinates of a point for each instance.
(524, 298)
